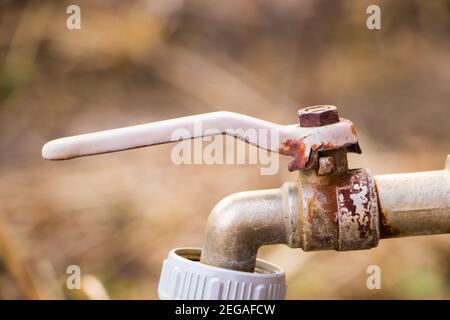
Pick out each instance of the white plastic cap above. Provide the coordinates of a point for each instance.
(184, 277)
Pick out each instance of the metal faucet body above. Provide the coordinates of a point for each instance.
(349, 211)
(329, 208)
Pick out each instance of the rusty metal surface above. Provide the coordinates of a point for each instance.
(305, 149)
(414, 203)
(318, 215)
(343, 211)
(326, 166)
(335, 211)
(338, 213)
(357, 217)
(317, 116)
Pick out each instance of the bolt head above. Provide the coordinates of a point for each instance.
(326, 166)
(318, 116)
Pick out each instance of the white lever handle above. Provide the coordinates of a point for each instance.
(286, 139)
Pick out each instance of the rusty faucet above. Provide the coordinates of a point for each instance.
(330, 207)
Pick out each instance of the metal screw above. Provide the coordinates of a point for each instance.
(318, 116)
(326, 166)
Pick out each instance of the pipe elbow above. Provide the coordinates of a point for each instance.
(231, 219)
(241, 223)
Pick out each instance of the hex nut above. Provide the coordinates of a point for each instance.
(317, 116)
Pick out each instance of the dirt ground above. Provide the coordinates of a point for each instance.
(118, 215)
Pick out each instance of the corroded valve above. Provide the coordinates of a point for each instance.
(329, 207)
(339, 206)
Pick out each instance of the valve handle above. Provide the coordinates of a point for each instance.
(291, 140)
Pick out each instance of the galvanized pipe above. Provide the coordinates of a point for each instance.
(413, 204)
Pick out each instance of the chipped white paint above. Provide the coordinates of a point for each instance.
(358, 221)
(360, 201)
(347, 219)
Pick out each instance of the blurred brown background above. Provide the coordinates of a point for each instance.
(118, 215)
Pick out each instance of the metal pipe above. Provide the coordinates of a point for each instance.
(242, 222)
(316, 213)
(414, 204)
(348, 211)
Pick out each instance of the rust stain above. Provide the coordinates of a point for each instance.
(387, 230)
(295, 148)
(328, 146)
(321, 218)
(340, 213)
